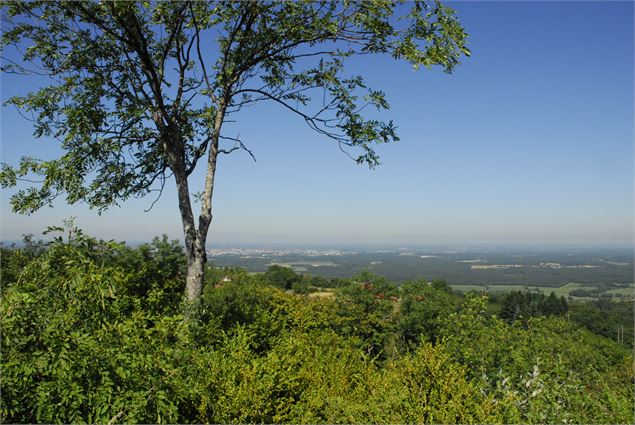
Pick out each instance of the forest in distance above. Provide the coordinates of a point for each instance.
(588, 272)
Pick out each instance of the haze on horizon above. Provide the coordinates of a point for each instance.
(530, 141)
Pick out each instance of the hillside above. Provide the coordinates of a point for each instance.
(94, 331)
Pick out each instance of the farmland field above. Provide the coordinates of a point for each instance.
(607, 271)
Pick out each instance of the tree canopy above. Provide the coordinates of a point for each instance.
(139, 91)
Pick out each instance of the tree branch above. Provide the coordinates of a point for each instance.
(239, 145)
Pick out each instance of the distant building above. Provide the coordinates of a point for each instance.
(223, 281)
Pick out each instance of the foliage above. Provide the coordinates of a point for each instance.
(80, 344)
(366, 311)
(141, 90)
(282, 277)
(424, 307)
(302, 287)
(525, 304)
(92, 332)
(13, 261)
(607, 318)
(544, 368)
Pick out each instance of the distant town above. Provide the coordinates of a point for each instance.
(275, 252)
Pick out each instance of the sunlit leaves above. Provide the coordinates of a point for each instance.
(137, 86)
(93, 330)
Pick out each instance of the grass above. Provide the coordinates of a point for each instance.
(623, 291)
(466, 288)
(563, 290)
(321, 294)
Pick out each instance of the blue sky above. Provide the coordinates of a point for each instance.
(529, 141)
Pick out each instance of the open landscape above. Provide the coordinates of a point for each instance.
(317, 212)
(597, 272)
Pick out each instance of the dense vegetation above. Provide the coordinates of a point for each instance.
(523, 304)
(95, 331)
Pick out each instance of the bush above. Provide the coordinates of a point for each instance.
(93, 331)
(282, 277)
(78, 345)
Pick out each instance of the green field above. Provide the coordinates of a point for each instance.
(623, 291)
(564, 290)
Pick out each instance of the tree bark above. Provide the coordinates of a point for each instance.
(173, 147)
(195, 246)
(194, 252)
(196, 261)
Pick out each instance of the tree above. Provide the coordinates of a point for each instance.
(139, 93)
(423, 308)
(442, 285)
(282, 277)
(524, 304)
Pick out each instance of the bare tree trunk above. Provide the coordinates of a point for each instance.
(195, 246)
(195, 255)
(196, 261)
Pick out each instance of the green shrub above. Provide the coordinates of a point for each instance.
(94, 331)
(77, 346)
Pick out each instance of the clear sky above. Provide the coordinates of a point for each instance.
(529, 141)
